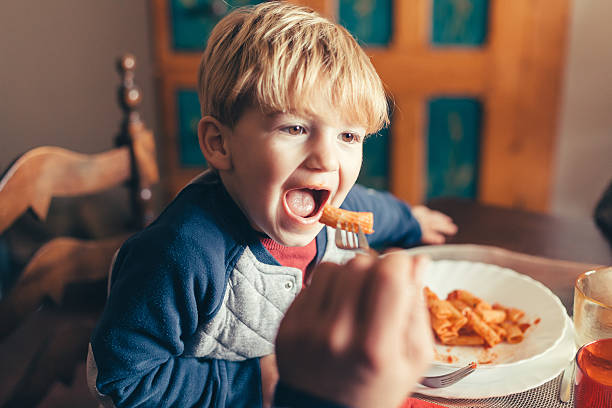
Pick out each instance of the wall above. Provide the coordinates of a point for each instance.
(58, 82)
(58, 85)
(584, 154)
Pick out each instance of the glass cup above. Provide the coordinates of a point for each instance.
(593, 382)
(593, 306)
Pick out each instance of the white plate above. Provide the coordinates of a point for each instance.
(495, 284)
(502, 381)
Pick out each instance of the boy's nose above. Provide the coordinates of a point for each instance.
(323, 155)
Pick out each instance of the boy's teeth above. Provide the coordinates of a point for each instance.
(301, 202)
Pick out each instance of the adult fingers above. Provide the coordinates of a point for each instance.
(310, 302)
(342, 307)
(351, 277)
(321, 287)
(418, 336)
(417, 270)
(384, 300)
(301, 328)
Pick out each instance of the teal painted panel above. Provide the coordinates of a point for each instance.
(191, 21)
(375, 168)
(460, 22)
(370, 21)
(188, 116)
(453, 147)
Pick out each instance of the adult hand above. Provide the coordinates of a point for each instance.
(360, 334)
(434, 224)
(269, 378)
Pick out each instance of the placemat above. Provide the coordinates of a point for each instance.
(544, 396)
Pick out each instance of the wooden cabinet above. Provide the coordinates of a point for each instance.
(475, 86)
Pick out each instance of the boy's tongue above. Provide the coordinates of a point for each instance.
(301, 202)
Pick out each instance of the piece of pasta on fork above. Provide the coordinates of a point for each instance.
(347, 220)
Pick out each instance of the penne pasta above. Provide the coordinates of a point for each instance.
(513, 314)
(465, 340)
(465, 296)
(448, 340)
(347, 220)
(466, 331)
(482, 306)
(442, 328)
(492, 316)
(464, 319)
(429, 295)
(439, 324)
(487, 333)
(514, 332)
(443, 308)
(460, 305)
(499, 330)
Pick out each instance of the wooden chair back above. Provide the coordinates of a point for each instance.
(45, 172)
(30, 183)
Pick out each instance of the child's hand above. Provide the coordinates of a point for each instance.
(269, 378)
(434, 225)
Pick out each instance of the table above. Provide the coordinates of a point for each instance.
(551, 249)
(531, 233)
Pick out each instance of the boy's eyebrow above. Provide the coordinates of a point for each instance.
(271, 117)
(274, 115)
(271, 120)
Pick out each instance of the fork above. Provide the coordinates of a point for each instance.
(351, 240)
(449, 379)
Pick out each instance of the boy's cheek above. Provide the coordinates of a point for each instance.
(341, 194)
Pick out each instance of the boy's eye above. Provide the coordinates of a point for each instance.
(350, 137)
(295, 130)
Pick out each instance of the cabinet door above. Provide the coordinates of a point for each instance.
(476, 88)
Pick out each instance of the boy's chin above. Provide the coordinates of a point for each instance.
(292, 239)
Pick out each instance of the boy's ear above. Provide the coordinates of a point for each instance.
(212, 135)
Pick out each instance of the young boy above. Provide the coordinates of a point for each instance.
(196, 298)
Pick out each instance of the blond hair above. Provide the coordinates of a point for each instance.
(285, 58)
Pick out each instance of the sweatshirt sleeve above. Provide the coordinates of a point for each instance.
(159, 294)
(394, 224)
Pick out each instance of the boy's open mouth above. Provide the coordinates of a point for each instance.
(306, 202)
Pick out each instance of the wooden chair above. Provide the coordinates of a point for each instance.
(66, 264)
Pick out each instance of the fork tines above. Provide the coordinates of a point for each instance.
(458, 375)
(449, 379)
(345, 237)
(363, 241)
(351, 236)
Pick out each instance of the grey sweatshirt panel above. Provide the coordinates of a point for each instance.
(256, 298)
(255, 301)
